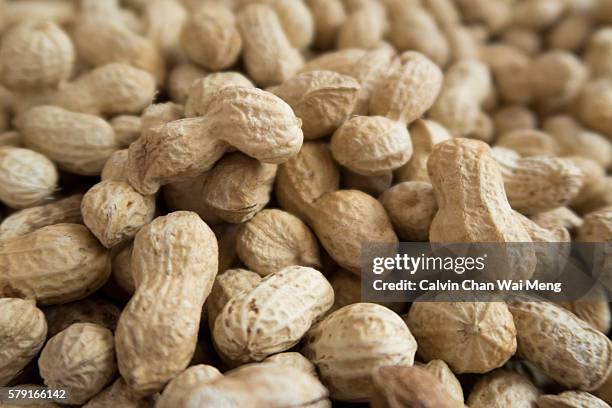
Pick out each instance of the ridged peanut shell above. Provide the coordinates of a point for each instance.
(306, 177)
(54, 264)
(349, 343)
(273, 316)
(77, 142)
(275, 239)
(408, 386)
(177, 390)
(440, 370)
(81, 357)
(346, 219)
(261, 386)
(323, 100)
(567, 349)
(371, 145)
(114, 212)
(174, 263)
(24, 331)
(203, 88)
(119, 394)
(228, 284)
(67, 210)
(293, 359)
(253, 121)
(210, 37)
(35, 54)
(27, 178)
(503, 388)
(571, 399)
(471, 337)
(268, 54)
(408, 91)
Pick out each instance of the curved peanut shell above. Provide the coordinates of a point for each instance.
(273, 316)
(346, 219)
(82, 358)
(55, 264)
(275, 239)
(174, 263)
(67, 210)
(352, 341)
(114, 212)
(503, 388)
(24, 331)
(567, 349)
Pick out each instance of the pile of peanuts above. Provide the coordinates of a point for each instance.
(186, 186)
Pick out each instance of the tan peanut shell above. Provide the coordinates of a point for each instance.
(349, 343)
(238, 187)
(163, 21)
(409, 90)
(473, 207)
(122, 269)
(92, 309)
(363, 28)
(328, 16)
(115, 166)
(79, 143)
(425, 134)
(540, 183)
(275, 239)
(372, 185)
(574, 140)
(261, 386)
(27, 178)
(174, 263)
(293, 359)
(323, 100)
(119, 394)
(100, 41)
(306, 177)
(595, 313)
(529, 142)
(346, 219)
(411, 206)
(188, 195)
(408, 386)
(67, 210)
(228, 284)
(210, 37)
(273, 316)
(180, 79)
(159, 114)
(567, 349)
(81, 357)
(440, 370)
(571, 399)
(269, 56)
(598, 51)
(388, 145)
(203, 88)
(54, 264)
(514, 117)
(24, 331)
(114, 212)
(591, 103)
(558, 217)
(111, 89)
(35, 54)
(414, 29)
(177, 390)
(466, 85)
(482, 334)
(503, 388)
(271, 133)
(126, 127)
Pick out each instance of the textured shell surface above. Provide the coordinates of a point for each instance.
(24, 331)
(353, 340)
(81, 357)
(174, 264)
(274, 315)
(54, 264)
